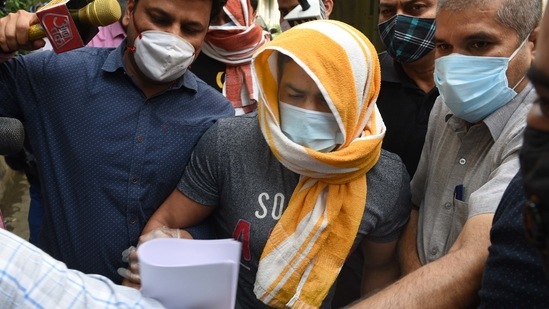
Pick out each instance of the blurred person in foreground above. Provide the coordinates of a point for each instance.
(483, 50)
(313, 183)
(30, 278)
(111, 129)
(517, 270)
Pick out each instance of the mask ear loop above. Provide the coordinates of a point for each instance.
(518, 49)
(132, 48)
(513, 56)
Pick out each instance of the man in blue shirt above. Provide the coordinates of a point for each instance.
(112, 129)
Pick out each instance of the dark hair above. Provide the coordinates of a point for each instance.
(280, 62)
(254, 4)
(217, 5)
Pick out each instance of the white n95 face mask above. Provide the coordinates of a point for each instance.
(312, 129)
(162, 56)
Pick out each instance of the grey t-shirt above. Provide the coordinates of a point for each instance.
(233, 169)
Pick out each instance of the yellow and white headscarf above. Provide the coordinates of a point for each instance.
(307, 247)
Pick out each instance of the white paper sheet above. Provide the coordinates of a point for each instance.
(190, 274)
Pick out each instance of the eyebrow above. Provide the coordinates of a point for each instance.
(479, 36)
(292, 87)
(405, 2)
(168, 16)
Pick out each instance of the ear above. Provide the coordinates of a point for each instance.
(129, 10)
(533, 38)
(329, 4)
(125, 21)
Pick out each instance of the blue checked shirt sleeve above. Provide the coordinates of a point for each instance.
(29, 278)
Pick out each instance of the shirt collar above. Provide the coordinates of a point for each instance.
(115, 61)
(116, 30)
(392, 72)
(496, 121)
(389, 71)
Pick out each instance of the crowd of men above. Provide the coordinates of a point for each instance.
(409, 178)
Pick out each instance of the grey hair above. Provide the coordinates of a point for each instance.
(521, 15)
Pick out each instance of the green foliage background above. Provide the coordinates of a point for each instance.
(14, 5)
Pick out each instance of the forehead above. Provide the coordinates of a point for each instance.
(180, 7)
(470, 21)
(405, 2)
(293, 74)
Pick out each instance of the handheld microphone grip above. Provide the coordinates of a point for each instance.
(96, 13)
(12, 136)
(304, 4)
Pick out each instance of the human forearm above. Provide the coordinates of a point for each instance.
(450, 282)
(177, 211)
(407, 247)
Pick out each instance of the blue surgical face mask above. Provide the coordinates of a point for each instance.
(473, 87)
(312, 129)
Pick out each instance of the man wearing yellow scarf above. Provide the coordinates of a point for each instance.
(302, 182)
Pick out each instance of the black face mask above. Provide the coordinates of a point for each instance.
(534, 160)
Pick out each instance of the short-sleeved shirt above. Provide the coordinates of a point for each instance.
(475, 161)
(108, 156)
(514, 275)
(234, 169)
(405, 110)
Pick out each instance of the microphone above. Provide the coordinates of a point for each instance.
(77, 4)
(304, 12)
(96, 13)
(12, 136)
(304, 4)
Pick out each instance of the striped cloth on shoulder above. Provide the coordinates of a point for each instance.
(307, 247)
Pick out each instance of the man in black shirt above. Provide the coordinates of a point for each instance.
(408, 90)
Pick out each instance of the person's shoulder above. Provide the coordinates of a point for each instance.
(236, 132)
(87, 53)
(389, 168)
(77, 59)
(390, 159)
(209, 98)
(240, 124)
(389, 196)
(203, 87)
(383, 55)
(84, 57)
(388, 70)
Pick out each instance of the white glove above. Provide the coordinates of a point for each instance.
(130, 255)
